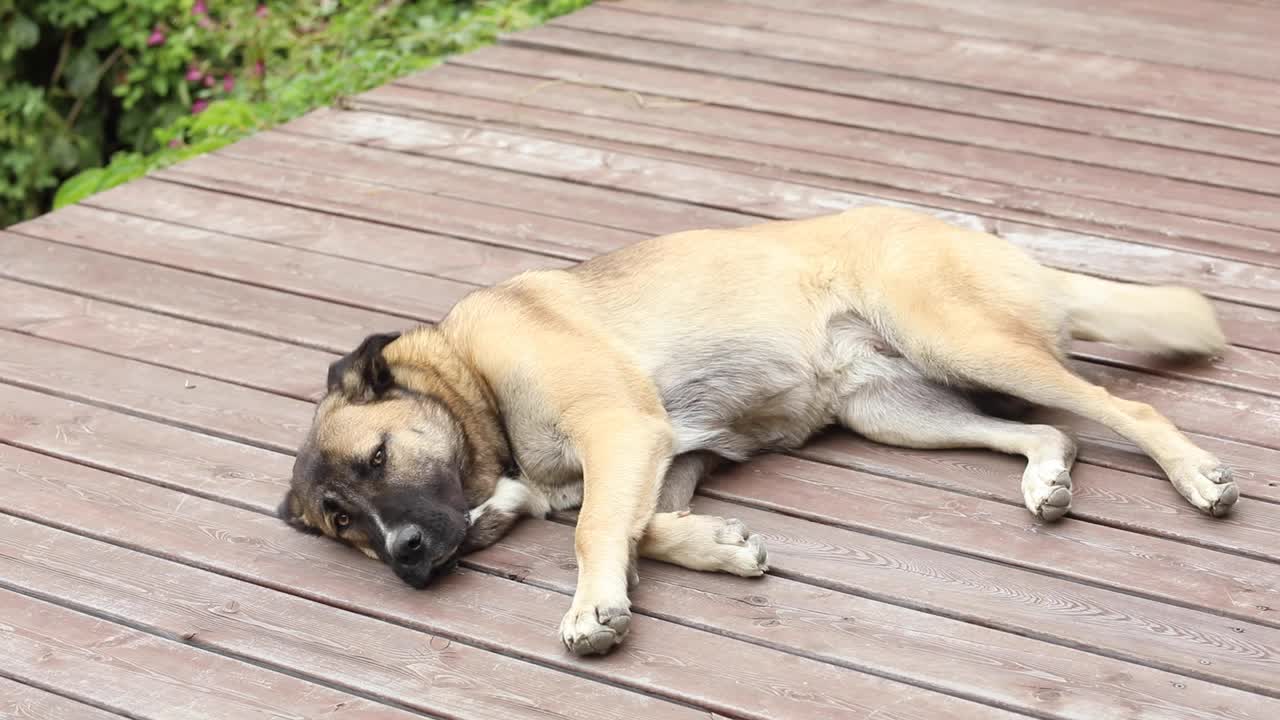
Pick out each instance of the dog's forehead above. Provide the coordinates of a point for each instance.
(347, 430)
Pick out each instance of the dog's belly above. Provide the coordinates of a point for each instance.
(741, 396)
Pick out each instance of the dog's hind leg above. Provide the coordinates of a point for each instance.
(1021, 364)
(909, 411)
(704, 542)
(681, 481)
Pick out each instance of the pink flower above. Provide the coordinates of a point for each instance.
(228, 83)
(262, 11)
(209, 81)
(194, 74)
(198, 106)
(156, 38)
(200, 8)
(175, 143)
(206, 23)
(259, 68)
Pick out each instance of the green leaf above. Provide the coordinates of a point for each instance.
(78, 187)
(82, 72)
(23, 32)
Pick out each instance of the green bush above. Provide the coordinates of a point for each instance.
(145, 83)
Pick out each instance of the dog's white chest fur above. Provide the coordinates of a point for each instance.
(737, 396)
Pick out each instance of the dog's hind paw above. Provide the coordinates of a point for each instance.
(1209, 486)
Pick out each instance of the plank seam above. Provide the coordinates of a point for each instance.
(494, 646)
(462, 61)
(951, 83)
(58, 692)
(117, 619)
(796, 577)
(974, 555)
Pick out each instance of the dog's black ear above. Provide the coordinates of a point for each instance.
(290, 511)
(364, 373)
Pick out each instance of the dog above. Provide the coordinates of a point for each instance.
(615, 385)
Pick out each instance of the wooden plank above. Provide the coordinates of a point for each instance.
(1115, 624)
(914, 92)
(1130, 562)
(200, 464)
(994, 200)
(585, 204)
(1148, 36)
(1102, 492)
(519, 110)
(426, 673)
(199, 350)
(143, 676)
(1194, 407)
(496, 149)
(416, 251)
(1238, 102)
(663, 88)
(377, 288)
(762, 199)
(24, 702)
(717, 673)
(1115, 259)
(404, 208)
(1109, 194)
(211, 406)
(1247, 18)
(771, 199)
(262, 618)
(957, 657)
(990, 594)
(192, 296)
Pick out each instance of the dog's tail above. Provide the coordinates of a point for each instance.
(1162, 320)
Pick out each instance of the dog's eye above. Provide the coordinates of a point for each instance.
(379, 456)
(341, 520)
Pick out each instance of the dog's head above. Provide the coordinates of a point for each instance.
(386, 463)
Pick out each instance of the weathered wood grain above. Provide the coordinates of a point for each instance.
(1120, 624)
(1130, 562)
(660, 658)
(144, 676)
(771, 198)
(1147, 36)
(198, 349)
(190, 295)
(1096, 80)
(961, 658)
(368, 242)
(426, 673)
(831, 123)
(911, 91)
(519, 110)
(396, 206)
(25, 702)
(770, 141)
(361, 285)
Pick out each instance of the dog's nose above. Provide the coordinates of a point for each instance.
(406, 545)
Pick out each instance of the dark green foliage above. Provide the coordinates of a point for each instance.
(97, 92)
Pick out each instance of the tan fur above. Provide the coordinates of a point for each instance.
(620, 380)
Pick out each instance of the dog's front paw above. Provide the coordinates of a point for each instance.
(594, 629)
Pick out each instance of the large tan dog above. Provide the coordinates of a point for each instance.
(616, 384)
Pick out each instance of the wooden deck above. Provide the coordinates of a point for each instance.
(160, 346)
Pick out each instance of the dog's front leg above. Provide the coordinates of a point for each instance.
(624, 457)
